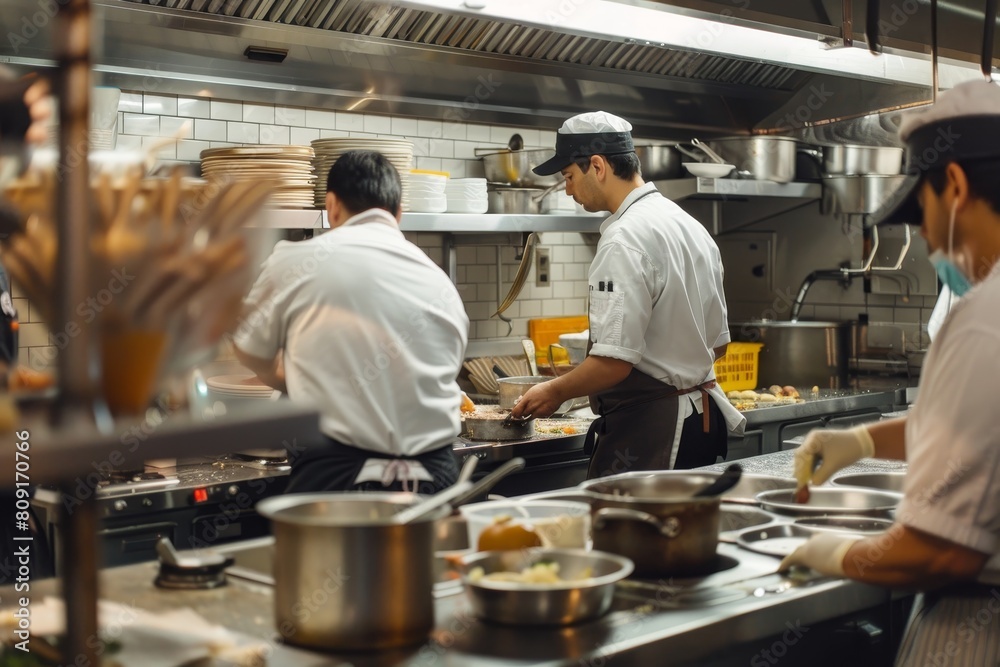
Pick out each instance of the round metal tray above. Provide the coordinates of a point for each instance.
(745, 492)
(777, 540)
(855, 525)
(831, 500)
(883, 481)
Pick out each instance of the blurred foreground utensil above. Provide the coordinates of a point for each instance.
(727, 480)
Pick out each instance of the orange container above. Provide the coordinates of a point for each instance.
(130, 361)
(545, 331)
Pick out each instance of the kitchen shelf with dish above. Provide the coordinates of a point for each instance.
(720, 188)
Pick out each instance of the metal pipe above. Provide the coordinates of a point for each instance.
(824, 274)
(73, 271)
(73, 277)
(78, 555)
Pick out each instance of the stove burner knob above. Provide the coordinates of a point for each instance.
(120, 505)
(233, 490)
(147, 502)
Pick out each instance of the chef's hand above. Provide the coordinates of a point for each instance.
(823, 552)
(837, 449)
(540, 401)
(25, 106)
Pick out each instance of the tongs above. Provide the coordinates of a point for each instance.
(511, 420)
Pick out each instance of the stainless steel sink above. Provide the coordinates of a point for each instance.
(885, 481)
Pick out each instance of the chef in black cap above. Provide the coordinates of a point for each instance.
(946, 537)
(657, 315)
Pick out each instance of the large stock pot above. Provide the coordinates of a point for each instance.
(347, 578)
(801, 354)
(652, 519)
(765, 158)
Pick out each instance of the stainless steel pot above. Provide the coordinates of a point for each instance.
(345, 577)
(486, 429)
(765, 158)
(514, 167)
(515, 201)
(801, 354)
(855, 160)
(659, 162)
(860, 194)
(652, 519)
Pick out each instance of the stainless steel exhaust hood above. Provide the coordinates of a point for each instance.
(674, 72)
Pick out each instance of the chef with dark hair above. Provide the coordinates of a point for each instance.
(361, 323)
(657, 314)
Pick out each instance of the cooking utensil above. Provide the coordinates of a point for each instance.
(512, 388)
(855, 525)
(488, 481)
(515, 167)
(766, 158)
(857, 160)
(750, 485)
(493, 429)
(528, 346)
(499, 372)
(659, 162)
(712, 155)
(882, 481)
(831, 500)
(514, 200)
(708, 169)
(377, 575)
(778, 540)
(801, 354)
(430, 506)
(584, 594)
(516, 143)
(849, 195)
(653, 519)
(729, 478)
(522, 274)
(469, 467)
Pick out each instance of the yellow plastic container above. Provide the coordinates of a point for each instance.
(738, 369)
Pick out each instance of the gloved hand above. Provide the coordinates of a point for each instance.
(824, 552)
(837, 449)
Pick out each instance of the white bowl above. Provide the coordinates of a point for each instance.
(708, 169)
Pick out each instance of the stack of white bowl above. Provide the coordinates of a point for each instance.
(238, 391)
(427, 191)
(466, 195)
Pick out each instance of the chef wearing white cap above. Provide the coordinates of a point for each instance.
(946, 538)
(657, 314)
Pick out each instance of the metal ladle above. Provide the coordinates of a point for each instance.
(457, 494)
(712, 155)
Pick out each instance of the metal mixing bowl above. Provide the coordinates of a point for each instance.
(884, 481)
(563, 603)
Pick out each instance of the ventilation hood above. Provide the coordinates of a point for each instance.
(675, 72)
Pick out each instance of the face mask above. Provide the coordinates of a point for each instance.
(945, 266)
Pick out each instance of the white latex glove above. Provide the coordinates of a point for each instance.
(837, 449)
(824, 552)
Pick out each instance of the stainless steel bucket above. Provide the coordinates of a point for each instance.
(801, 354)
(345, 577)
(659, 162)
(856, 160)
(515, 167)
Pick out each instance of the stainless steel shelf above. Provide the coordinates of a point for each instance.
(492, 222)
(59, 457)
(722, 188)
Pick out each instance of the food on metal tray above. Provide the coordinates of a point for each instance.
(467, 404)
(790, 391)
(814, 391)
(767, 398)
(505, 535)
(542, 572)
(555, 429)
(776, 390)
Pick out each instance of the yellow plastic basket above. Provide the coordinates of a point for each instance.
(738, 369)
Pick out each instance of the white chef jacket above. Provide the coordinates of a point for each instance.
(952, 486)
(374, 335)
(656, 298)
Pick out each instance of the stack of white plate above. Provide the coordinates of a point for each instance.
(466, 195)
(398, 151)
(427, 191)
(288, 167)
(237, 390)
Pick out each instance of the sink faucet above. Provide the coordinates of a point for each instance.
(839, 275)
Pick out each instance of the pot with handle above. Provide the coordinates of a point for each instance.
(659, 162)
(857, 160)
(654, 519)
(377, 574)
(801, 354)
(765, 158)
(515, 167)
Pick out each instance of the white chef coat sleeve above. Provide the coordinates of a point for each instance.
(952, 487)
(620, 314)
(716, 313)
(261, 332)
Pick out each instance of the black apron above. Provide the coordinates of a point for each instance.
(333, 466)
(636, 425)
(637, 421)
